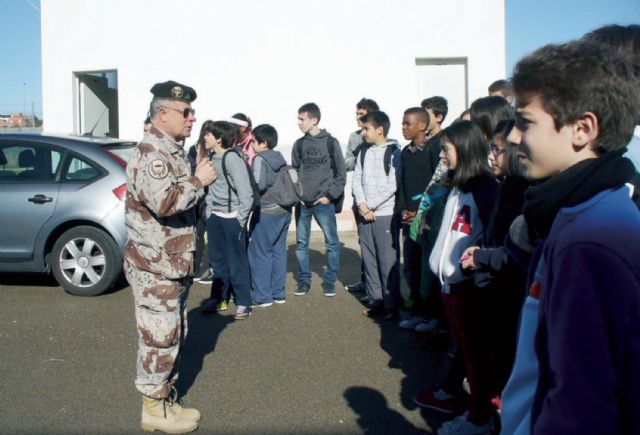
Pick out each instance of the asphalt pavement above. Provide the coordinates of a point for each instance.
(314, 365)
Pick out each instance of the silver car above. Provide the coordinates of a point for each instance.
(62, 208)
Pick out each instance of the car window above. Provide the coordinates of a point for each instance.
(80, 170)
(24, 162)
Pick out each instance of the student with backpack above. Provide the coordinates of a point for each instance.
(374, 187)
(318, 158)
(270, 223)
(229, 203)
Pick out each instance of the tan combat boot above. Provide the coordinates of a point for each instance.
(161, 415)
(190, 413)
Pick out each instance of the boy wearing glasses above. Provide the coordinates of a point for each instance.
(576, 368)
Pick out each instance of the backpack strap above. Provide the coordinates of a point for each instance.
(331, 149)
(297, 149)
(388, 154)
(364, 147)
(226, 177)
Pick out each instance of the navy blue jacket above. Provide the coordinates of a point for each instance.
(587, 340)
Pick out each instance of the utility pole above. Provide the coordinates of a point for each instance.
(24, 98)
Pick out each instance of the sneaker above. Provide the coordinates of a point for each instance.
(242, 312)
(355, 287)
(427, 325)
(279, 301)
(302, 289)
(207, 278)
(329, 290)
(263, 305)
(461, 426)
(222, 305)
(438, 400)
(411, 322)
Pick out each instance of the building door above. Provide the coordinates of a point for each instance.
(97, 103)
(446, 77)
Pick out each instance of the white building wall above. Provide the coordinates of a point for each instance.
(266, 58)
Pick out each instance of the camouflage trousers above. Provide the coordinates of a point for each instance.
(161, 317)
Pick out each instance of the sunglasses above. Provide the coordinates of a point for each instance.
(185, 112)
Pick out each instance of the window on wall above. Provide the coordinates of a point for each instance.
(96, 103)
(446, 77)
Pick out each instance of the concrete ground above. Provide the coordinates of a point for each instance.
(314, 365)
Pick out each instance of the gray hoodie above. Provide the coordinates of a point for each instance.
(218, 197)
(266, 165)
(310, 156)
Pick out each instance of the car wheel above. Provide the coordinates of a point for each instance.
(86, 261)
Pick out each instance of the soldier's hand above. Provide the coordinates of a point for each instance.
(205, 172)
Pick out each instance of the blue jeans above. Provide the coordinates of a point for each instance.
(268, 255)
(228, 256)
(325, 215)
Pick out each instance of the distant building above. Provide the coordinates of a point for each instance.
(14, 120)
(265, 59)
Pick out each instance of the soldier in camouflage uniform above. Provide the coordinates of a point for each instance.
(158, 257)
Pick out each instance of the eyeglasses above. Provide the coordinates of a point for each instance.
(185, 112)
(495, 149)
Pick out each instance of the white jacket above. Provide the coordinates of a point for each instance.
(461, 227)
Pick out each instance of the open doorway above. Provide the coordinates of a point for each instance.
(446, 77)
(96, 103)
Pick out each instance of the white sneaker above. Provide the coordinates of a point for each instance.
(411, 322)
(426, 325)
(461, 426)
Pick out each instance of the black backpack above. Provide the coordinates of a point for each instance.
(330, 149)
(252, 180)
(387, 155)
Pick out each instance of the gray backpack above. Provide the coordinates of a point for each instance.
(286, 190)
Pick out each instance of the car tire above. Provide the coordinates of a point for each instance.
(86, 261)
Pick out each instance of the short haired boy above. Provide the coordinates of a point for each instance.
(364, 106)
(576, 369)
(354, 145)
(437, 107)
(417, 163)
(374, 187)
(501, 88)
(318, 158)
(228, 208)
(269, 225)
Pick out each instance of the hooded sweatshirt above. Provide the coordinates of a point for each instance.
(310, 156)
(465, 221)
(218, 196)
(265, 170)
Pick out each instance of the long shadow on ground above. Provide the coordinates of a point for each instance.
(374, 414)
(204, 330)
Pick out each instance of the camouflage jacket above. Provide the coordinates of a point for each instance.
(159, 211)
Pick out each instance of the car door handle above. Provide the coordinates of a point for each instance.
(40, 199)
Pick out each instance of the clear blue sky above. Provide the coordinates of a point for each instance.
(529, 24)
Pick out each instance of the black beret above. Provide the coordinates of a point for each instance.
(174, 91)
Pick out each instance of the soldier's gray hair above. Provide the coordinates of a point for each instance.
(156, 103)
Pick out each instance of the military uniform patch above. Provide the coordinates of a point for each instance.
(158, 169)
